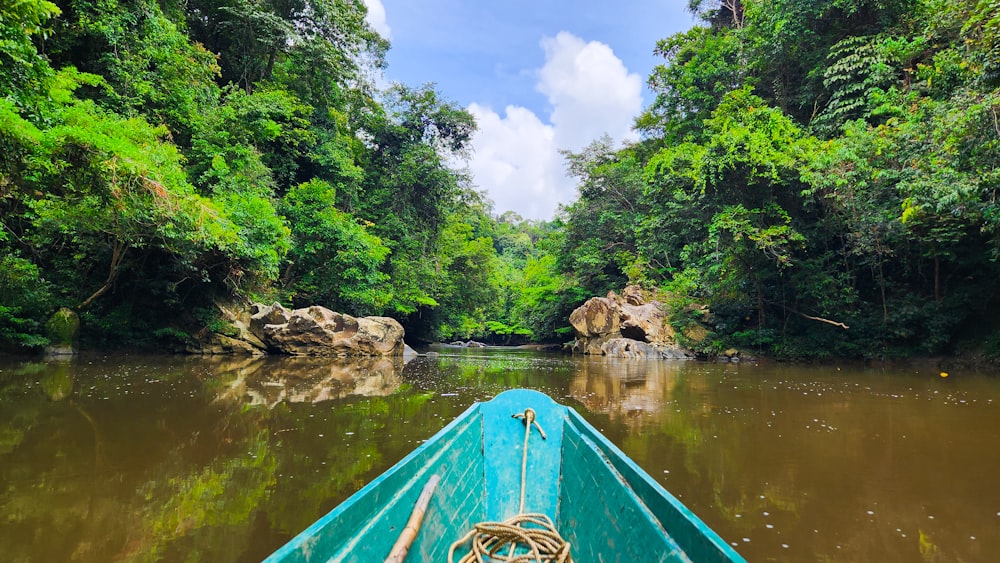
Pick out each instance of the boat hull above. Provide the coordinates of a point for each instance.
(602, 503)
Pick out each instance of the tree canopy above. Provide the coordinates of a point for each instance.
(821, 174)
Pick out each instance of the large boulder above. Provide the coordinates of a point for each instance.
(629, 325)
(318, 331)
(598, 316)
(310, 331)
(233, 338)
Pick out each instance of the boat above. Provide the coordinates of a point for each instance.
(520, 464)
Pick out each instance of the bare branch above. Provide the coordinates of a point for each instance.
(117, 254)
(810, 317)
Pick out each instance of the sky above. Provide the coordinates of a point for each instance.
(539, 76)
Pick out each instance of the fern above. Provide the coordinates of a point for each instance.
(859, 68)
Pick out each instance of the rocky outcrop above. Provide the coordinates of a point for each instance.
(318, 331)
(310, 331)
(232, 338)
(63, 332)
(626, 326)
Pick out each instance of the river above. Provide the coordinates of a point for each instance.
(166, 458)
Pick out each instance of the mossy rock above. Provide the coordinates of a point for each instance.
(63, 330)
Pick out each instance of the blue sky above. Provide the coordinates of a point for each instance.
(539, 76)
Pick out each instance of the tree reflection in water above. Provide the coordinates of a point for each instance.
(144, 458)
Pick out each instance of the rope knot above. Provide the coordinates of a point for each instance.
(529, 418)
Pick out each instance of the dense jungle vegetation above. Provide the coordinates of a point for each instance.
(822, 174)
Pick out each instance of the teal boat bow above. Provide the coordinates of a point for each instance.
(603, 504)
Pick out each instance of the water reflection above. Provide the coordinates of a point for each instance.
(624, 390)
(273, 381)
(58, 381)
(223, 459)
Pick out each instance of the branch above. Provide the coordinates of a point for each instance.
(821, 319)
(810, 317)
(117, 254)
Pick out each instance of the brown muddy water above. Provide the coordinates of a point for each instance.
(149, 458)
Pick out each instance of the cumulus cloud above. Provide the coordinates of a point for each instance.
(376, 18)
(516, 161)
(516, 156)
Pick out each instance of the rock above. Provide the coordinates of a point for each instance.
(599, 315)
(695, 333)
(628, 348)
(318, 331)
(63, 331)
(379, 336)
(240, 320)
(214, 344)
(236, 338)
(633, 295)
(630, 325)
(646, 323)
(310, 331)
(409, 353)
(263, 315)
(469, 344)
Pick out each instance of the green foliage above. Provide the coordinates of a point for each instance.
(251, 143)
(859, 71)
(325, 42)
(21, 66)
(25, 301)
(805, 166)
(409, 189)
(789, 43)
(702, 65)
(336, 261)
(888, 227)
(752, 149)
(766, 230)
(600, 241)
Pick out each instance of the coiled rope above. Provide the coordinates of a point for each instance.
(535, 533)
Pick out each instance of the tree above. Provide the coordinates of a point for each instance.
(20, 63)
(329, 41)
(335, 261)
(702, 65)
(410, 189)
(600, 249)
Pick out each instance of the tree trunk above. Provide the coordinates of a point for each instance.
(881, 286)
(117, 254)
(937, 279)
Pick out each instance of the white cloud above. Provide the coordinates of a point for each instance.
(376, 18)
(590, 90)
(516, 161)
(516, 156)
